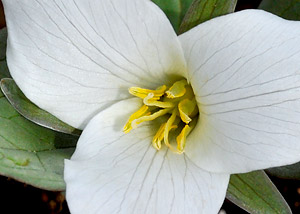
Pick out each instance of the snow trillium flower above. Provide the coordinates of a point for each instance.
(222, 98)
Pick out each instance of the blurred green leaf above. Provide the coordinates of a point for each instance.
(289, 172)
(288, 9)
(174, 9)
(30, 153)
(30, 111)
(255, 193)
(203, 10)
(3, 66)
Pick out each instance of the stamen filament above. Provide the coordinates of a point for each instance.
(149, 117)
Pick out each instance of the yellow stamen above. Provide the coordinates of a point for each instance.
(177, 89)
(142, 93)
(178, 103)
(156, 142)
(186, 107)
(149, 117)
(169, 124)
(181, 138)
(159, 136)
(150, 102)
(139, 113)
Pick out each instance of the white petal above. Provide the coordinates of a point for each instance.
(73, 58)
(245, 71)
(114, 172)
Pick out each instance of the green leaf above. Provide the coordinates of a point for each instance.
(174, 9)
(3, 65)
(203, 10)
(288, 9)
(289, 172)
(30, 153)
(255, 193)
(30, 111)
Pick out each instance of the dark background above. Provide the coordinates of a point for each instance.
(18, 197)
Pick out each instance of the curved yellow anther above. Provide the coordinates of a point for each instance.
(169, 124)
(150, 102)
(177, 89)
(181, 138)
(159, 136)
(186, 107)
(142, 93)
(139, 113)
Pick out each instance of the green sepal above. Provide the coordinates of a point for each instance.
(287, 9)
(174, 9)
(255, 193)
(203, 10)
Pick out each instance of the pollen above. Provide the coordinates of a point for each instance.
(177, 107)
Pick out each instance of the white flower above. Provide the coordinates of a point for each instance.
(77, 59)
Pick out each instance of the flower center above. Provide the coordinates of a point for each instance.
(177, 102)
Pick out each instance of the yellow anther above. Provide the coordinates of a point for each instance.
(186, 107)
(153, 116)
(139, 113)
(159, 136)
(181, 138)
(168, 127)
(177, 89)
(150, 102)
(142, 93)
